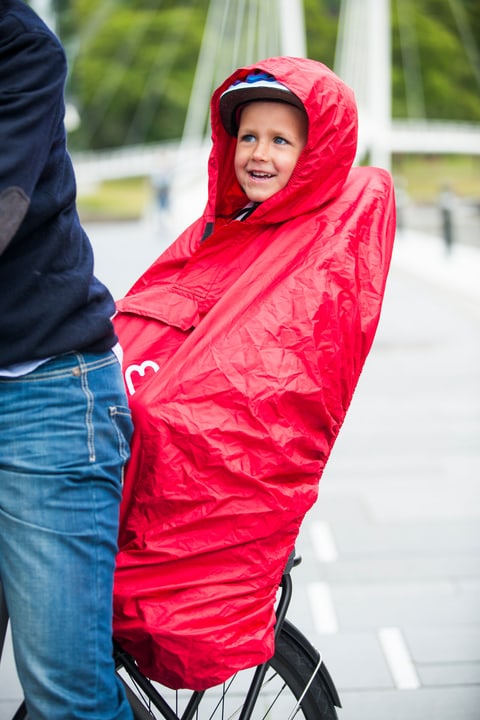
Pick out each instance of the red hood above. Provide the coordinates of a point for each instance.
(327, 156)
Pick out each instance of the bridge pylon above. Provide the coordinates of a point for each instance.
(236, 33)
(363, 60)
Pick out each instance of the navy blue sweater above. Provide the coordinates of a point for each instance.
(50, 301)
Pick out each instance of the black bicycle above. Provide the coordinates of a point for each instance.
(295, 683)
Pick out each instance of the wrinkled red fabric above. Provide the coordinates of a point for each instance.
(242, 352)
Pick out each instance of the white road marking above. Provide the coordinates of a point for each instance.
(398, 658)
(323, 542)
(323, 610)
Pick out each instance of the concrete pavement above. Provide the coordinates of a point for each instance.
(391, 575)
(389, 589)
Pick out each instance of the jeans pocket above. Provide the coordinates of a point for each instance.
(122, 422)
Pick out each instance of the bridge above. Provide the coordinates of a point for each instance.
(242, 31)
(406, 136)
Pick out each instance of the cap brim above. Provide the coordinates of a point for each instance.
(234, 97)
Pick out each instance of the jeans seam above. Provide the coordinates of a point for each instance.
(89, 410)
(98, 593)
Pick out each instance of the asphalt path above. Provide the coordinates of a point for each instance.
(392, 573)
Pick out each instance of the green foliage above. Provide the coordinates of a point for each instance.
(132, 62)
(436, 61)
(132, 77)
(321, 21)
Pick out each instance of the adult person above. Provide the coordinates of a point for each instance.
(446, 205)
(244, 342)
(65, 425)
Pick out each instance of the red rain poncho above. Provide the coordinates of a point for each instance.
(242, 352)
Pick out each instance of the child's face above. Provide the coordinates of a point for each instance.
(270, 138)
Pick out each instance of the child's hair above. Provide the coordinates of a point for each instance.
(256, 86)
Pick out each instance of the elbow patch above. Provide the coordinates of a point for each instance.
(14, 204)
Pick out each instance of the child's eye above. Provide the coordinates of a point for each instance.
(280, 140)
(248, 137)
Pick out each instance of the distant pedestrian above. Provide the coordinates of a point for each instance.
(161, 187)
(401, 200)
(446, 204)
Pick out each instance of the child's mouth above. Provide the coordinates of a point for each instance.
(260, 175)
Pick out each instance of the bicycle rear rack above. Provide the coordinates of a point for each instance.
(281, 611)
(259, 674)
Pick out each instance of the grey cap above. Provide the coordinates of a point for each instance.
(257, 86)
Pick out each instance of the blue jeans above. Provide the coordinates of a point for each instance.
(64, 438)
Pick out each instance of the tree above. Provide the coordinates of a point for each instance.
(132, 74)
(436, 65)
(132, 62)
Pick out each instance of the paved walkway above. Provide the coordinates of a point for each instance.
(426, 258)
(390, 584)
(392, 573)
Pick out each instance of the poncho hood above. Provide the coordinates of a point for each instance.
(326, 159)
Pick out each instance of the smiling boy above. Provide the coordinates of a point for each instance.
(243, 344)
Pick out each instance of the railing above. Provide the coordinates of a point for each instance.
(134, 161)
(435, 136)
(405, 136)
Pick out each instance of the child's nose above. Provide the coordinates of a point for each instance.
(260, 151)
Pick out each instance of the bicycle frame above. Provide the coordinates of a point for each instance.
(281, 611)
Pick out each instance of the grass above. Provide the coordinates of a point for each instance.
(422, 176)
(124, 199)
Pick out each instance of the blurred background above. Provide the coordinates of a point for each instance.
(389, 587)
(142, 72)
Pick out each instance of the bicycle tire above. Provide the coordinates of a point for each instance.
(297, 684)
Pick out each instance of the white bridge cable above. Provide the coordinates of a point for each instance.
(195, 122)
(111, 86)
(414, 95)
(240, 14)
(467, 37)
(155, 82)
(236, 33)
(352, 39)
(251, 34)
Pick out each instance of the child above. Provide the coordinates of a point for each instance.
(243, 345)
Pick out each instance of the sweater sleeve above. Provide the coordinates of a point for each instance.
(31, 109)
